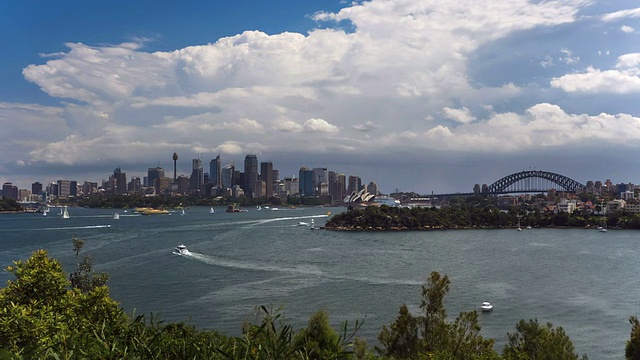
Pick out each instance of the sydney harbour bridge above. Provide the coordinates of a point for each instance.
(532, 181)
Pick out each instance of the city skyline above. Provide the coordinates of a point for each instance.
(419, 95)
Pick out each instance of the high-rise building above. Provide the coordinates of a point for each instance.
(250, 173)
(372, 188)
(135, 185)
(320, 175)
(226, 176)
(118, 181)
(305, 181)
(197, 177)
(215, 172)
(153, 174)
(9, 191)
(337, 186)
(355, 184)
(266, 175)
(36, 188)
(291, 186)
(64, 187)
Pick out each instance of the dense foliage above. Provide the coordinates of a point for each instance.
(7, 204)
(43, 315)
(465, 216)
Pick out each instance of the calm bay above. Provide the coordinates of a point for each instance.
(583, 280)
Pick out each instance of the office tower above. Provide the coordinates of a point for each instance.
(226, 176)
(215, 172)
(355, 184)
(52, 189)
(89, 187)
(9, 191)
(320, 175)
(372, 188)
(73, 188)
(118, 181)
(305, 181)
(64, 187)
(36, 188)
(250, 173)
(153, 174)
(337, 186)
(135, 185)
(266, 175)
(197, 176)
(183, 184)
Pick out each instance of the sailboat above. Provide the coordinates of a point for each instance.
(211, 211)
(182, 213)
(519, 228)
(116, 216)
(65, 213)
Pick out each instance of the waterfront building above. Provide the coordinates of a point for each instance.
(250, 173)
(266, 175)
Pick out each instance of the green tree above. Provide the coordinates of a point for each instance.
(632, 349)
(84, 278)
(40, 313)
(535, 341)
(400, 340)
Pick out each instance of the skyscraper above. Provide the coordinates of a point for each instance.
(266, 175)
(215, 172)
(305, 181)
(355, 184)
(250, 173)
(197, 176)
(226, 175)
(153, 174)
(119, 181)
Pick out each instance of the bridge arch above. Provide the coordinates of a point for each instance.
(533, 181)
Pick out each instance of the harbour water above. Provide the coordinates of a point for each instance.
(583, 280)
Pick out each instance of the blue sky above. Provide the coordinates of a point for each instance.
(420, 95)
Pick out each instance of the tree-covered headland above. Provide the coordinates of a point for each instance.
(46, 313)
(472, 213)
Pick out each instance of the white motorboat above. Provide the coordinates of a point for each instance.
(181, 250)
(302, 223)
(486, 306)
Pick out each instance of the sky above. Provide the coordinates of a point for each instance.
(416, 95)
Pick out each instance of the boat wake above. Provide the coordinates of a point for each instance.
(212, 260)
(65, 228)
(297, 270)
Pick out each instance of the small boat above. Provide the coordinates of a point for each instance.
(116, 216)
(274, 209)
(180, 250)
(486, 306)
(65, 213)
(182, 213)
(313, 224)
(258, 207)
(302, 223)
(211, 211)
